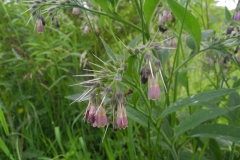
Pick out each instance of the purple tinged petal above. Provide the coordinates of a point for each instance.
(153, 88)
(75, 10)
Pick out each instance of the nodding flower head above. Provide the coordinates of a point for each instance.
(91, 113)
(75, 10)
(153, 88)
(145, 72)
(100, 118)
(40, 24)
(122, 121)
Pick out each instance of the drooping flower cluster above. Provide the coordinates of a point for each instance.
(39, 8)
(105, 98)
(148, 74)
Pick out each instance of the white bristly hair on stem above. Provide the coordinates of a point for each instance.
(99, 59)
(100, 104)
(84, 75)
(87, 82)
(151, 68)
(96, 65)
(163, 80)
(105, 133)
(92, 70)
(82, 96)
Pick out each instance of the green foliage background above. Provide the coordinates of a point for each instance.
(197, 119)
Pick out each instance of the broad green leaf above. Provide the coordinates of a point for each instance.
(135, 41)
(5, 149)
(228, 16)
(195, 100)
(189, 22)
(137, 116)
(227, 132)
(108, 50)
(200, 117)
(149, 9)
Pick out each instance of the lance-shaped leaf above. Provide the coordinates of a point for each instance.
(108, 50)
(149, 9)
(200, 117)
(196, 100)
(189, 22)
(227, 132)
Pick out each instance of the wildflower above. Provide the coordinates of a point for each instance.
(40, 25)
(86, 29)
(91, 114)
(153, 88)
(100, 118)
(122, 121)
(75, 10)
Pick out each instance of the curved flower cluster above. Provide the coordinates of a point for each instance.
(107, 103)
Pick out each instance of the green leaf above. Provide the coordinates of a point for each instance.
(215, 149)
(132, 69)
(108, 50)
(5, 149)
(149, 8)
(228, 16)
(104, 5)
(137, 116)
(207, 33)
(200, 117)
(3, 122)
(195, 100)
(190, 43)
(186, 155)
(227, 132)
(189, 22)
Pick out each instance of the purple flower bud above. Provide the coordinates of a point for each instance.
(238, 57)
(75, 10)
(91, 114)
(100, 118)
(145, 72)
(39, 25)
(153, 88)
(164, 15)
(122, 121)
(148, 56)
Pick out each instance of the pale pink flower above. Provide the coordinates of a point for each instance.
(86, 30)
(75, 10)
(100, 118)
(39, 25)
(153, 88)
(122, 121)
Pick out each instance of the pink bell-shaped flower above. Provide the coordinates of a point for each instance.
(100, 118)
(39, 25)
(153, 88)
(122, 121)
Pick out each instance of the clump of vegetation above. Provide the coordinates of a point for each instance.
(110, 79)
